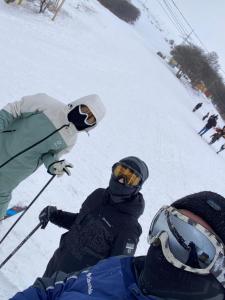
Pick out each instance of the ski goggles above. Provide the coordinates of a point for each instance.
(178, 235)
(131, 177)
(90, 118)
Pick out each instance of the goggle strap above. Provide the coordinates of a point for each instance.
(218, 269)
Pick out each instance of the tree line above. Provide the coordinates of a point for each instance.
(123, 9)
(204, 67)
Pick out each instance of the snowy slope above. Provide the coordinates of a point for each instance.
(89, 50)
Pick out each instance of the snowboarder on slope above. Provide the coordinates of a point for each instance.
(185, 260)
(39, 129)
(107, 224)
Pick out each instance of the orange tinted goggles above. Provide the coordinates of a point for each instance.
(90, 118)
(131, 178)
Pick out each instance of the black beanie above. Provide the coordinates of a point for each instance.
(136, 164)
(207, 205)
(119, 192)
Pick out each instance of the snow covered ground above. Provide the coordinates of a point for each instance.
(149, 114)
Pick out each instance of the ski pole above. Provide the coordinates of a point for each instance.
(14, 224)
(20, 245)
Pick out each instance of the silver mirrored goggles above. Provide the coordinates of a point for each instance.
(176, 233)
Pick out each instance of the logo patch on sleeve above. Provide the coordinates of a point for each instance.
(130, 247)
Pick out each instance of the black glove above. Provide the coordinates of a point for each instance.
(46, 214)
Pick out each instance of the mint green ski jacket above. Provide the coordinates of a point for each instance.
(28, 121)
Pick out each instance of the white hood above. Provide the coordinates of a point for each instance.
(94, 103)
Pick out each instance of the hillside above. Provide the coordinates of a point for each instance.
(149, 114)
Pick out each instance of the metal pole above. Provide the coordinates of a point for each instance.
(20, 245)
(14, 224)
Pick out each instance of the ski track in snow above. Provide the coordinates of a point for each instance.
(149, 114)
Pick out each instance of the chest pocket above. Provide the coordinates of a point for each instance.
(93, 238)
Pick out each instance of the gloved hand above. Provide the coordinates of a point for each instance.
(46, 214)
(59, 167)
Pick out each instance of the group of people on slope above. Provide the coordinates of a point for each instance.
(185, 258)
(211, 123)
(219, 132)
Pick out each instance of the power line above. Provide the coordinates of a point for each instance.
(175, 19)
(196, 35)
(167, 8)
(188, 23)
(171, 19)
(170, 9)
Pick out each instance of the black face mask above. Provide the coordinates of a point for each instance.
(162, 279)
(120, 192)
(78, 119)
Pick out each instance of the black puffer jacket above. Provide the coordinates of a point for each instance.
(212, 121)
(101, 229)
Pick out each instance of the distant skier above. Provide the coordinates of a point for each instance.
(214, 137)
(221, 149)
(220, 132)
(39, 129)
(107, 224)
(197, 106)
(212, 121)
(205, 116)
(184, 261)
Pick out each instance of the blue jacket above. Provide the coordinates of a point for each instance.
(111, 279)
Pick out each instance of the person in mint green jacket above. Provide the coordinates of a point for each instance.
(38, 130)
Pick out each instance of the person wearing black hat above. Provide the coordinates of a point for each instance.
(185, 260)
(212, 121)
(107, 224)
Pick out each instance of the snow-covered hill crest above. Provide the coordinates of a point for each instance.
(149, 114)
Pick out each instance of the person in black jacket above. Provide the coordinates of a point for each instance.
(107, 224)
(212, 121)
